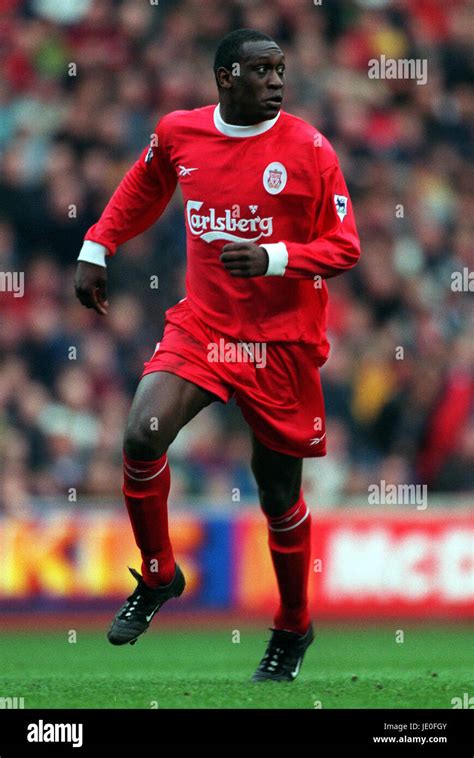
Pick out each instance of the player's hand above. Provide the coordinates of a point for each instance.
(90, 283)
(244, 259)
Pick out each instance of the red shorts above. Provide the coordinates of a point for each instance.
(276, 384)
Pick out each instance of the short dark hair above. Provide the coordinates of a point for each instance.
(230, 47)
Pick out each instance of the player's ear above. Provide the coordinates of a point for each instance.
(224, 78)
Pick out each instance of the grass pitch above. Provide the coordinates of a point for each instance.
(346, 667)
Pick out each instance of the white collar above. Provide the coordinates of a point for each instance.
(232, 130)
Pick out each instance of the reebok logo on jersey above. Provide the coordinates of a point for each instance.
(210, 227)
(149, 155)
(183, 171)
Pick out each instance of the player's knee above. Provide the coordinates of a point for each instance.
(276, 498)
(144, 442)
(277, 490)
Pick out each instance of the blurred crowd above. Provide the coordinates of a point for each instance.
(82, 83)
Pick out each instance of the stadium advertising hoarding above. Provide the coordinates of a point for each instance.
(373, 566)
(363, 565)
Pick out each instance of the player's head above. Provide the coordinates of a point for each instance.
(250, 72)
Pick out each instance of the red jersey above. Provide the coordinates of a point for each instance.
(277, 184)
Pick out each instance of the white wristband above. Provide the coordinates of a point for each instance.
(277, 258)
(93, 252)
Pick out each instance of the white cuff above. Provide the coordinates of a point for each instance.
(92, 252)
(277, 258)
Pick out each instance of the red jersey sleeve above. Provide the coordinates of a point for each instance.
(335, 247)
(140, 198)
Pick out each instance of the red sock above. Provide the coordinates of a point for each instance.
(146, 486)
(289, 538)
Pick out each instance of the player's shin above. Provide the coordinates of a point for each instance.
(289, 539)
(146, 486)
